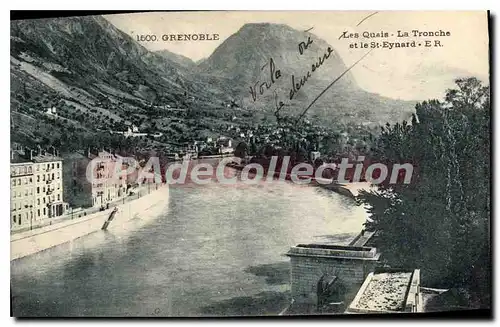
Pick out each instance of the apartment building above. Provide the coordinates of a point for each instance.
(21, 194)
(106, 187)
(48, 181)
(101, 186)
(36, 188)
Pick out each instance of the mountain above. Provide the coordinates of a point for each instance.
(199, 61)
(79, 50)
(177, 58)
(100, 79)
(253, 55)
(97, 76)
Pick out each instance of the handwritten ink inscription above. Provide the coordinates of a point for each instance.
(274, 75)
(303, 46)
(259, 88)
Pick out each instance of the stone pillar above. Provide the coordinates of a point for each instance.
(349, 264)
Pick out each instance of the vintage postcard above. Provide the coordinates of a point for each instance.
(219, 163)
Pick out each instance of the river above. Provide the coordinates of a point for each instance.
(219, 250)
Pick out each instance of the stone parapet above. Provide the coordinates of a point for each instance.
(347, 265)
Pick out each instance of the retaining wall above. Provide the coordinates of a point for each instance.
(309, 262)
(33, 241)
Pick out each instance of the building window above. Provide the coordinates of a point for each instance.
(52, 175)
(48, 166)
(31, 180)
(58, 175)
(26, 192)
(44, 211)
(57, 165)
(52, 165)
(38, 190)
(43, 189)
(38, 212)
(14, 194)
(19, 219)
(19, 194)
(43, 199)
(14, 218)
(43, 177)
(30, 170)
(13, 182)
(58, 197)
(25, 181)
(18, 181)
(38, 201)
(38, 178)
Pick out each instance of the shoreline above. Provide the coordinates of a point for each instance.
(350, 190)
(33, 241)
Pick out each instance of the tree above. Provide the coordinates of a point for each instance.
(440, 221)
(241, 150)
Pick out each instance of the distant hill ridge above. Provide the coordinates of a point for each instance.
(101, 79)
(177, 58)
(243, 60)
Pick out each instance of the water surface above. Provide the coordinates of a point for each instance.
(218, 250)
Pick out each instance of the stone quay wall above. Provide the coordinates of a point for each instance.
(349, 264)
(33, 241)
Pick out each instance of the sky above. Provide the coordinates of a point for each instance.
(401, 73)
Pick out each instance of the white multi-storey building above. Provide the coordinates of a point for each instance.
(47, 175)
(36, 189)
(21, 194)
(106, 187)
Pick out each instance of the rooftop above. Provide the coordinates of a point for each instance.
(73, 155)
(18, 160)
(18, 156)
(390, 291)
(385, 292)
(334, 251)
(22, 156)
(46, 158)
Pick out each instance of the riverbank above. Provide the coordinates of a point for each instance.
(77, 213)
(350, 190)
(216, 251)
(215, 156)
(33, 241)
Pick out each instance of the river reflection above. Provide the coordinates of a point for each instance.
(217, 251)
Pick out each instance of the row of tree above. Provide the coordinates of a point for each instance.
(440, 222)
